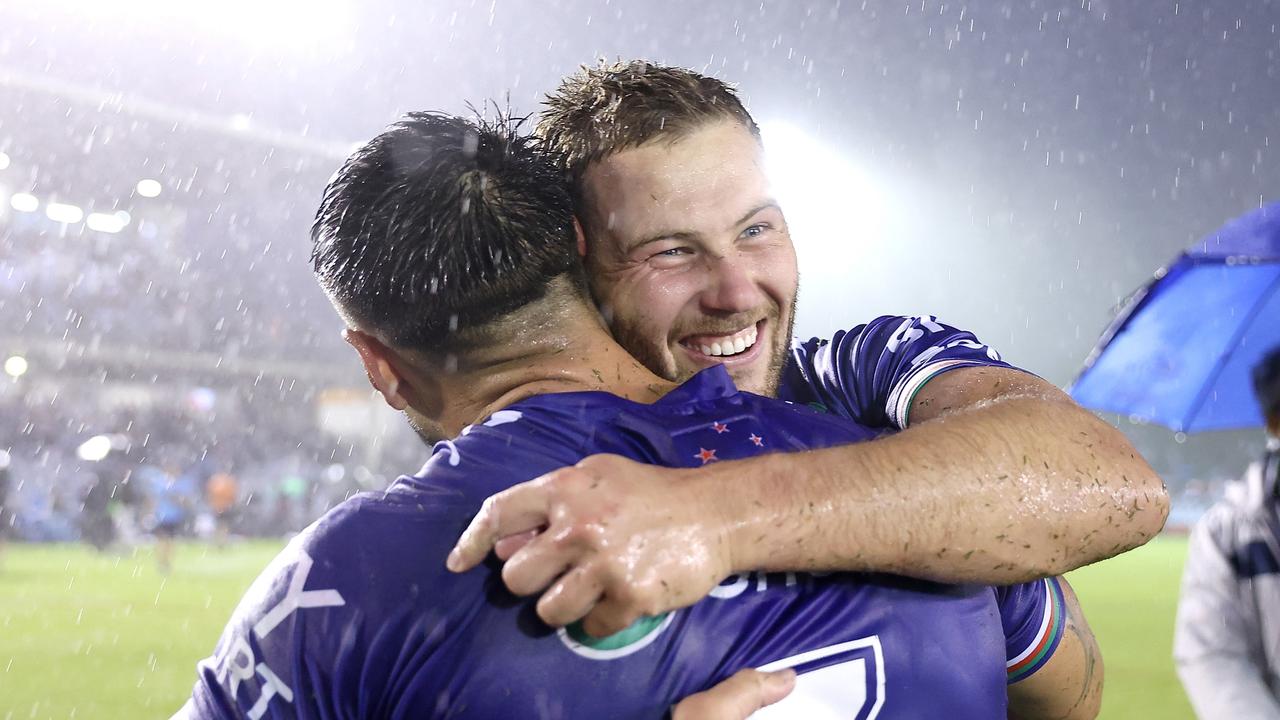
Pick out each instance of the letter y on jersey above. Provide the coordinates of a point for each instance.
(297, 598)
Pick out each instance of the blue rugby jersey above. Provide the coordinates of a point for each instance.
(358, 616)
(872, 373)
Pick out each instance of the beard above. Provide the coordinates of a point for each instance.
(661, 359)
(781, 352)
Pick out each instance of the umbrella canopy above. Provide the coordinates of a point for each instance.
(1181, 350)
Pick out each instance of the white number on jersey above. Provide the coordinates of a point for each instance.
(843, 681)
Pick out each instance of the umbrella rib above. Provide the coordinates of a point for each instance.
(1226, 354)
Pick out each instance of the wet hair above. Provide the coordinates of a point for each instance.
(605, 109)
(1266, 383)
(440, 225)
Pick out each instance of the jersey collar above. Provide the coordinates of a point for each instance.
(710, 384)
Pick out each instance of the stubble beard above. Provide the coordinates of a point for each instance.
(661, 360)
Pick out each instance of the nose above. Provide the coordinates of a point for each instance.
(732, 286)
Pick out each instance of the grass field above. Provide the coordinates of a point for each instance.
(1130, 602)
(90, 636)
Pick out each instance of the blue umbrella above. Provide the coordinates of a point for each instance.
(1181, 350)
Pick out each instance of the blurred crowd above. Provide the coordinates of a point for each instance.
(147, 289)
(94, 310)
(124, 476)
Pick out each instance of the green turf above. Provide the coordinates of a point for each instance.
(90, 636)
(1130, 603)
(84, 635)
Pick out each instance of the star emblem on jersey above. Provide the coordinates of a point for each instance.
(756, 440)
(720, 428)
(706, 456)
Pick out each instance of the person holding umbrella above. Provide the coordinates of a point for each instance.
(1227, 634)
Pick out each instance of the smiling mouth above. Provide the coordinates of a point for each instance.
(724, 346)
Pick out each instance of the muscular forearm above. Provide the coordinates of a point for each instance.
(1016, 483)
(1011, 490)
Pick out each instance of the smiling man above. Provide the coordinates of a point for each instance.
(689, 255)
(986, 473)
(448, 248)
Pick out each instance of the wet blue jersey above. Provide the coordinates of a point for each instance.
(359, 618)
(872, 373)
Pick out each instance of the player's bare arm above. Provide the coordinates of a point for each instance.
(1000, 478)
(1069, 686)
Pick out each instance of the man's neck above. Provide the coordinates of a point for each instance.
(579, 356)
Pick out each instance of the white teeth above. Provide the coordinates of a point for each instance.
(732, 345)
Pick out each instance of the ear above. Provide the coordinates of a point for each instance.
(376, 358)
(582, 237)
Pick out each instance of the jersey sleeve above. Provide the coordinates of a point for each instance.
(264, 666)
(1033, 618)
(872, 373)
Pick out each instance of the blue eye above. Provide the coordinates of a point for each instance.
(755, 230)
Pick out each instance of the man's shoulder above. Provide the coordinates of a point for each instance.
(372, 534)
(883, 332)
(1252, 495)
(801, 346)
(326, 623)
(1232, 511)
(553, 422)
(1236, 522)
(869, 372)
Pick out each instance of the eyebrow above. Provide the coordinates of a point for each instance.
(684, 234)
(763, 206)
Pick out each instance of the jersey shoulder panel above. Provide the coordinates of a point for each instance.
(871, 373)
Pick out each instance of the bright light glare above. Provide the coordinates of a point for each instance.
(24, 202)
(15, 367)
(149, 188)
(64, 213)
(272, 25)
(94, 449)
(334, 473)
(240, 121)
(4, 161)
(832, 208)
(108, 222)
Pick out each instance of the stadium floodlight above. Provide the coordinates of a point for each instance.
(335, 473)
(15, 367)
(4, 459)
(4, 161)
(240, 121)
(95, 448)
(24, 202)
(63, 213)
(827, 200)
(108, 222)
(149, 188)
